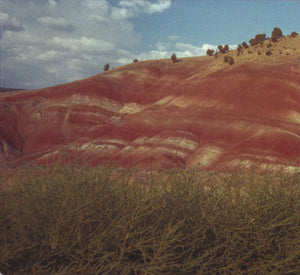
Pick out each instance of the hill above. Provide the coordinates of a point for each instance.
(198, 112)
(4, 90)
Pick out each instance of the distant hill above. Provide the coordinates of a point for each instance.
(198, 112)
(3, 90)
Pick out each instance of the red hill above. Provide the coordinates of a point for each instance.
(198, 112)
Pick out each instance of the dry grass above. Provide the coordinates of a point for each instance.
(78, 220)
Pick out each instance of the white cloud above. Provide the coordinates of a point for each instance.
(154, 54)
(173, 37)
(52, 3)
(84, 44)
(131, 8)
(188, 50)
(9, 23)
(58, 23)
(145, 6)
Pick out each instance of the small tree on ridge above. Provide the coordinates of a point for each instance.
(106, 67)
(174, 58)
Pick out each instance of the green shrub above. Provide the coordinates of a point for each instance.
(229, 60)
(260, 37)
(253, 42)
(174, 58)
(294, 34)
(106, 67)
(210, 52)
(239, 49)
(245, 45)
(220, 48)
(226, 48)
(276, 33)
(268, 52)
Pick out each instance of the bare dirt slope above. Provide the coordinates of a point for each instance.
(199, 112)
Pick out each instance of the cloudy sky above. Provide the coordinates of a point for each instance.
(49, 42)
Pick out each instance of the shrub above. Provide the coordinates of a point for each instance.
(75, 220)
(253, 42)
(294, 34)
(229, 60)
(269, 45)
(220, 48)
(268, 52)
(226, 48)
(260, 37)
(106, 67)
(239, 49)
(276, 33)
(259, 53)
(135, 60)
(210, 52)
(245, 45)
(174, 58)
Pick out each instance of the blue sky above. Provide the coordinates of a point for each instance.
(49, 42)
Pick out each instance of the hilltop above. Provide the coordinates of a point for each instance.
(198, 112)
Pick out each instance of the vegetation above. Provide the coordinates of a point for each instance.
(268, 52)
(245, 45)
(78, 220)
(294, 34)
(106, 67)
(276, 33)
(174, 58)
(229, 60)
(239, 49)
(210, 52)
(258, 38)
(135, 60)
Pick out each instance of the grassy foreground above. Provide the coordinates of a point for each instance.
(79, 220)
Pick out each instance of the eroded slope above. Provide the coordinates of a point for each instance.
(198, 112)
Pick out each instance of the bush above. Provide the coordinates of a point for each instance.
(294, 34)
(76, 220)
(226, 48)
(245, 45)
(259, 53)
(174, 58)
(135, 60)
(220, 48)
(210, 52)
(269, 45)
(260, 37)
(276, 33)
(268, 52)
(229, 60)
(239, 50)
(106, 67)
(223, 49)
(253, 42)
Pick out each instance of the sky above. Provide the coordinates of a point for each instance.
(48, 42)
